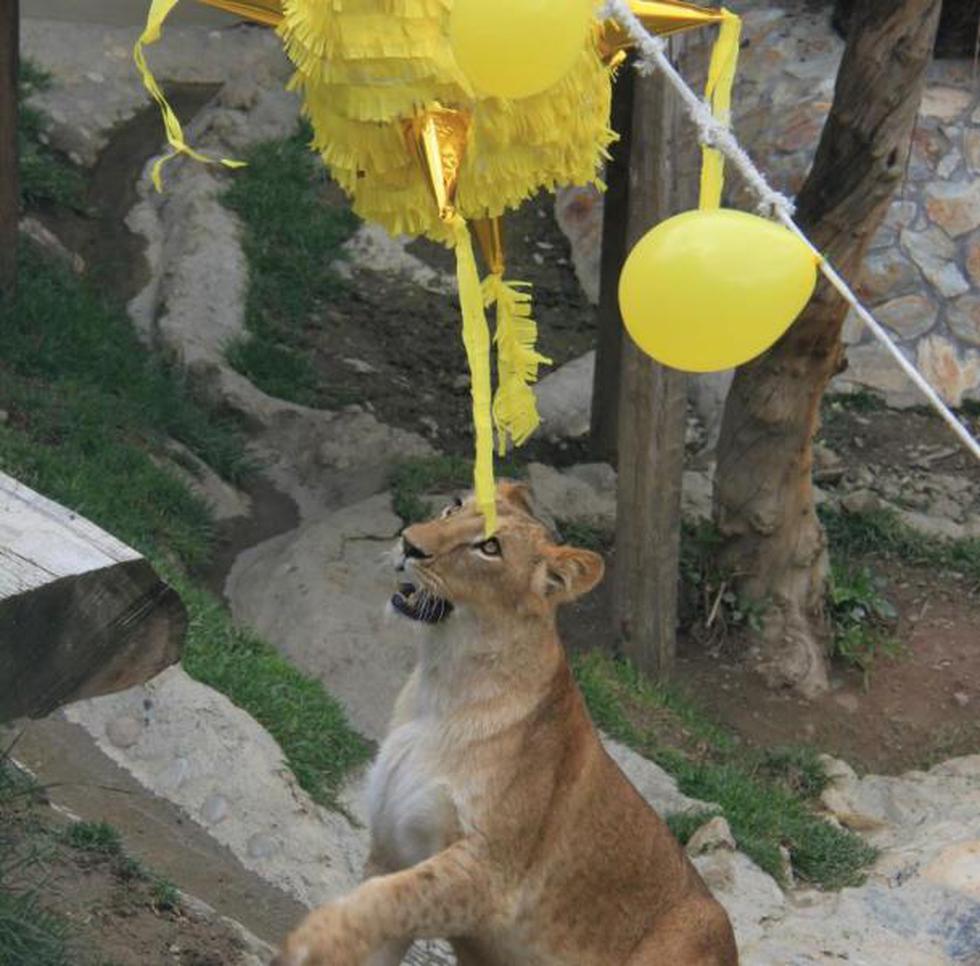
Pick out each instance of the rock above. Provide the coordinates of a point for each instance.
(707, 392)
(909, 316)
(971, 148)
(861, 501)
(320, 595)
(945, 103)
(828, 467)
(714, 834)
(214, 809)
(197, 740)
(262, 846)
(578, 211)
(869, 366)
(652, 782)
(886, 274)
(565, 398)
(932, 526)
(124, 731)
(51, 244)
(935, 254)
(949, 372)
(961, 698)
(562, 496)
(963, 314)
(954, 206)
(754, 902)
(697, 495)
(853, 330)
(372, 249)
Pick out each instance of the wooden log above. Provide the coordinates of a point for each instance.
(81, 614)
(9, 179)
(609, 341)
(652, 414)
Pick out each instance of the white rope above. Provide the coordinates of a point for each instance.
(652, 55)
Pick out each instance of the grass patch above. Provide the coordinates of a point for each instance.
(578, 534)
(415, 478)
(88, 416)
(412, 479)
(862, 618)
(881, 533)
(28, 934)
(292, 235)
(44, 177)
(861, 401)
(98, 837)
(710, 606)
(764, 796)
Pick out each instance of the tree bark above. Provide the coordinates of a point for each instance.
(773, 540)
(9, 181)
(653, 400)
(615, 211)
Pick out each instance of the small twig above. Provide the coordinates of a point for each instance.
(716, 605)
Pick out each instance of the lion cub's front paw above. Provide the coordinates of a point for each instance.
(323, 939)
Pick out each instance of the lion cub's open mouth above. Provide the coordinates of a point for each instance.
(417, 604)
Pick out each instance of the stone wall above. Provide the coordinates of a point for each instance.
(922, 276)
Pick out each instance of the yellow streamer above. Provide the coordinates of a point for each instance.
(721, 77)
(159, 10)
(515, 410)
(476, 339)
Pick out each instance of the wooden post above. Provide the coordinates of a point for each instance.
(609, 343)
(9, 180)
(652, 403)
(81, 614)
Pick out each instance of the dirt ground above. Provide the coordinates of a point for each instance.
(117, 914)
(397, 346)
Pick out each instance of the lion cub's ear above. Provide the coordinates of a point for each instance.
(567, 573)
(517, 495)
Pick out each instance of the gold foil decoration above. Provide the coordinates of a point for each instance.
(662, 17)
(438, 136)
(489, 233)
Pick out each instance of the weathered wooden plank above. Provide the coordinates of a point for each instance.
(81, 614)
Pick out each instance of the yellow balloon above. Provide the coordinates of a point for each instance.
(708, 290)
(515, 48)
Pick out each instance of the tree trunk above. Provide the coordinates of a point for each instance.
(9, 182)
(615, 211)
(653, 400)
(764, 506)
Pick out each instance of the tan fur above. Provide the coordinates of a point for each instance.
(498, 821)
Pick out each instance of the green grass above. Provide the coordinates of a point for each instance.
(415, 478)
(764, 796)
(292, 236)
(98, 837)
(28, 934)
(880, 533)
(44, 177)
(88, 415)
(862, 618)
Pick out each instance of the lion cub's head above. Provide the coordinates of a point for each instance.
(447, 563)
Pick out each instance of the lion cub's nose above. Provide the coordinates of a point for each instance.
(411, 551)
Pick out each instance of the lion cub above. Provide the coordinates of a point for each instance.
(498, 821)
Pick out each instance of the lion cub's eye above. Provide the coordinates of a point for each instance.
(489, 548)
(453, 507)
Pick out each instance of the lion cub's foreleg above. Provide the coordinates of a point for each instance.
(447, 895)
